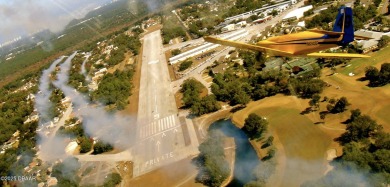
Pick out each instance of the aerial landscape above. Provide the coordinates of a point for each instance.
(188, 93)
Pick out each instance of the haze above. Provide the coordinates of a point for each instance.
(21, 17)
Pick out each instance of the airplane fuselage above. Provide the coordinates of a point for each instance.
(300, 43)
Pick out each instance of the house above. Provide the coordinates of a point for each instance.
(372, 44)
(52, 181)
(240, 24)
(65, 100)
(220, 68)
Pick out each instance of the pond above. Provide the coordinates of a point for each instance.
(246, 157)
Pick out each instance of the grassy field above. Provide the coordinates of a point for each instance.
(358, 65)
(383, 113)
(301, 145)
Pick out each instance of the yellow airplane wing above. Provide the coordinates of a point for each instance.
(326, 32)
(242, 45)
(336, 55)
(362, 37)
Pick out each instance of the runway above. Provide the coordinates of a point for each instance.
(159, 132)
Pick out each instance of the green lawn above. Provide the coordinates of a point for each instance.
(300, 137)
(305, 145)
(358, 65)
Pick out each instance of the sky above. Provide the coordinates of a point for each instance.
(21, 17)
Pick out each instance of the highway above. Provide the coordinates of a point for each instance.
(159, 132)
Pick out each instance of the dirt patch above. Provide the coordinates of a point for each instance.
(178, 99)
(181, 173)
(125, 169)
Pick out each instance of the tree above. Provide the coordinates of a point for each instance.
(268, 142)
(101, 147)
(191, 90)
(383, 41)
(274, 12)
(241, 98)
(66, 172)
(372, 73)
(315, 100)
(112, 180)
(85, 144)
(376, 77)
(205, 105)
(361, 128)
(176, 52)
(340, 105)
(211, 162)
(255, 126)
(185, 65)
(355, 114)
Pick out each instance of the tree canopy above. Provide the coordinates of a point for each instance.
(255, 126)
(212, 165)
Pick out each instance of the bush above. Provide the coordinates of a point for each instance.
(185, 65)
(101, 147)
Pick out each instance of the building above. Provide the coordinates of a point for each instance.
(207, 46)
(220, 68)
(262, 20)
(241, 24)
(297, 14)
(372, 44)
(228, 28)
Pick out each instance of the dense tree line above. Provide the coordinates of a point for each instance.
(376, 77)
(76, 79)
(172, 29)
(116, 56)
(366, 152)
(191, 90)
(114, 89)
(229, 87)
(242, 6)
(206, 105)
(66, 172)
(212, 165)
(131, 43)
(360, 16)
(56, 96)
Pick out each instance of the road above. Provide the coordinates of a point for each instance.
(252, 30)
(159, 132)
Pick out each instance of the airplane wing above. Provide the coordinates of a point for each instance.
(243, 45)
(336, 55)
(326, 32)
(362, 37)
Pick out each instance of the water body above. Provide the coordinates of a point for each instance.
(246, 157)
